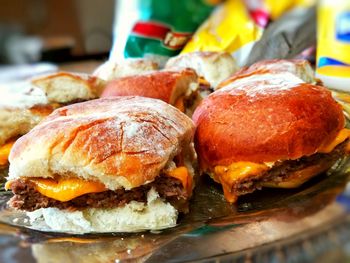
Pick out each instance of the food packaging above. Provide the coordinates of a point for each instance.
(237, 25)
(229, 28)
(333, 47)
(157, 28)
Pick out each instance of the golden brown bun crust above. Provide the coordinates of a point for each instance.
(248, 124)
(120, 141)
(164, 85)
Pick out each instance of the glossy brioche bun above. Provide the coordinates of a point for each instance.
(123, 142)
(265, 121)
(167, 85)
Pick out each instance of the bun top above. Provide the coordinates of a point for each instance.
(165, 85)
(121, 141)
(298, 67)
(265, 121)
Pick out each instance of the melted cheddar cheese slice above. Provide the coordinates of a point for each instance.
(228, 175)
(181, 173)
(66, 189)
(341, 137)
(5, 151)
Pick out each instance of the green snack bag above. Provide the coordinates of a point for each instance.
(164, 27)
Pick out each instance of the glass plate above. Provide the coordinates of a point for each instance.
(261, 226)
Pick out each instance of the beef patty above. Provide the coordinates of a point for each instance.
(282, 170)
(29, 199)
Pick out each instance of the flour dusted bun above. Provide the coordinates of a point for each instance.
(65, 87)
(121, 164)
(133, 217)
(214, 67)
(123, 142)
(111, 70)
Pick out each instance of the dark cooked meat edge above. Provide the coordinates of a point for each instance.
(282, 170)
(29, 199)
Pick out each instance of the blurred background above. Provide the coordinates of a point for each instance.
(40, 36)
(56, 31)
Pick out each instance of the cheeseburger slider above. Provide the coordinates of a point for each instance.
(118, 164)
(276, 132)
(178, 88)
(212, 67)
(268, 68)
(24, 104)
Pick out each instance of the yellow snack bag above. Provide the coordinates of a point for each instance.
(229, 28)
(333, 43)
(236, 25)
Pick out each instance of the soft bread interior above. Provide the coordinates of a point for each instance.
(306, 73)
(22, 106)
(16, 122)
(25, 104)
(64, 87)
(213, 66)
(130, 67)
(132, 217)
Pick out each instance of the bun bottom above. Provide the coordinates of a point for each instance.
(133, 217)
